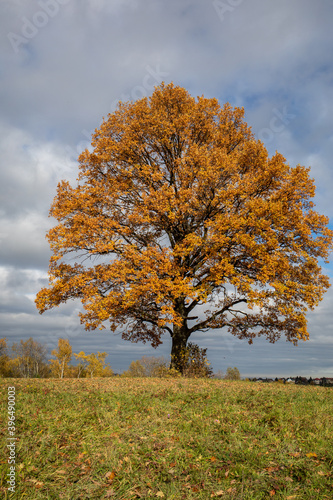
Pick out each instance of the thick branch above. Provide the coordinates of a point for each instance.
(206, 323)
(154, 323)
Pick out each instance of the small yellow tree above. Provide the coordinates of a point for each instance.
(148, 366)
(82, 365)
(232, 374)
(135, 370)
(94, 365)
(59, 366)
(4, 358)
(3, 346)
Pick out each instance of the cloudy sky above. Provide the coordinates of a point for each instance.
(66, 63)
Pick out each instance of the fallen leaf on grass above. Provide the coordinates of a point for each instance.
(217, 493)
(110, 493)
(272, 493)
(160, 494)
(38, 484)
(110, 476)
(272, 469)
(310, 455)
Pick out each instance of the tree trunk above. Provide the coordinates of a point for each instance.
(179, 340)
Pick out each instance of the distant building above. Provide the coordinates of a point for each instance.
(327, 382)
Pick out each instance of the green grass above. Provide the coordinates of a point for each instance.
(174, 439)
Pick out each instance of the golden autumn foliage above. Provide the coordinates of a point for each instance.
(93, 365)
(180, 222)
(148, 366)
(3, 347)
(232, 374)
(4, 358)
(63, 355)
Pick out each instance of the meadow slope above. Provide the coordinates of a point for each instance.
(125, 439)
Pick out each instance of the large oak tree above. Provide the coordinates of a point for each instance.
(179, 206)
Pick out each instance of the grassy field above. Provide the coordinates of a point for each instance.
(174, 439)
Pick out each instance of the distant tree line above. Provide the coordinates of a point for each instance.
(323, 381)
(28, 359)
(194, 364)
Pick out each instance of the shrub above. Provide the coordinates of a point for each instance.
(195, 363)
(147, 366)
(219, 375)
(232, 374)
